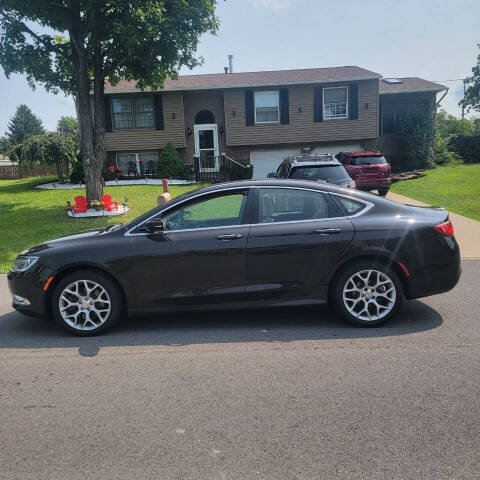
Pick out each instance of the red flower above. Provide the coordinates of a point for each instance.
(112, 168)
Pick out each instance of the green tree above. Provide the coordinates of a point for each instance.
(23, 123)
(169, 164)
(53, 148)
(68, 124)
(471, 99)
(448, 125)
(5, 145)
(416, 132)
(95, 40)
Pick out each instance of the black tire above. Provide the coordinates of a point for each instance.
(111, 289)
(383, 191)
(339, 283)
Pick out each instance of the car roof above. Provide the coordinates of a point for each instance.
(274, 182)
(364, 154)
(312, 160)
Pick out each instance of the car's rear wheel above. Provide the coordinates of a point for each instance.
(86, 303)
(367, 294)
(383, 191)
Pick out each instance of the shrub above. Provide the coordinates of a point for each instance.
(416, 131)
(467, 146)
(442, 153)
(169, 164)
(77, 174)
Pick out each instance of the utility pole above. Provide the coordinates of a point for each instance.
(463, 107)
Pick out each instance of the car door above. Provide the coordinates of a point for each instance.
(295, 242)
(199, 257)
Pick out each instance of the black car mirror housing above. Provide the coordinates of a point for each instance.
(155, 226)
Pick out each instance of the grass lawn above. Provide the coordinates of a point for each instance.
(456, 188)
(29, 216)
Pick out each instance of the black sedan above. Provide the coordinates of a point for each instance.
(251, 244)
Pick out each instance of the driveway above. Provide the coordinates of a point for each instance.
(273, 394)
(467, 231)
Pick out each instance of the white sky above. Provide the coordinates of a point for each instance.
(433, 39)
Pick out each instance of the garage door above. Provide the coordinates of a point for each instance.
(266, 161)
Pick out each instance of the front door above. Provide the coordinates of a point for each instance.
(199, 258)
(206, 147)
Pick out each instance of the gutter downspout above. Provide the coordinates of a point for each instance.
(442, 97)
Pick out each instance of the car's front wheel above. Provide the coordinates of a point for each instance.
(367, 294)
(86, 303)
(383, 191)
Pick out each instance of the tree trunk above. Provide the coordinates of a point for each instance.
(92, 166)
(59, 171)
(99, 108)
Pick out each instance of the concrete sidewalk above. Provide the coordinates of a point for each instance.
(467, 231)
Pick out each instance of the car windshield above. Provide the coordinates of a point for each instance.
(367, 161)
(329, 173)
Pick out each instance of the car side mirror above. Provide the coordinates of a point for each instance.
(271, 175)
(155, 226)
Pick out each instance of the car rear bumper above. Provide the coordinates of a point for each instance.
(435, 278)
(373, 185)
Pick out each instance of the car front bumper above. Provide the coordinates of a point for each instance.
(29, 287)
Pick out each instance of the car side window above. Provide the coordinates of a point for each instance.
(351, 207)
(210, 211)
(281, 171)
(289, 204)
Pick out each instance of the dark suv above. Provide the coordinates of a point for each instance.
(370, 170)
(321, 167)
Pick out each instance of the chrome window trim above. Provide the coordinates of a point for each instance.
(368, 206)
(128, 234)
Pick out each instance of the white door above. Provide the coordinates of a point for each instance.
(267, 161)
(206, 146)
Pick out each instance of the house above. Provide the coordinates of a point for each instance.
(260, 117)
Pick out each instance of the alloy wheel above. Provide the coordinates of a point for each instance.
(84, 305)
(369, 295)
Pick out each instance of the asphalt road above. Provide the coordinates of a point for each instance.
(278, 394)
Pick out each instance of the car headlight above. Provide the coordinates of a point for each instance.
(22, 264)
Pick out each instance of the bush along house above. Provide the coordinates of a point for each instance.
(228, 120)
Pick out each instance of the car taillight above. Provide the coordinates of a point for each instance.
(445, 229)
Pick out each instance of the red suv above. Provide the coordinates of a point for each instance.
(369, 170)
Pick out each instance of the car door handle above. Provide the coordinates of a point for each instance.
(327, 231)
(229, 236)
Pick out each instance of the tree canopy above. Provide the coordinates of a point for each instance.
(471, 99)
(68, 124)
(24, 122)
(52, 148)
(75, 45)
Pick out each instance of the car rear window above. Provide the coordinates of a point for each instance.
(367, 161)
(351, 207)
(329, 173)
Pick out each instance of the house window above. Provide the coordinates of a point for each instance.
(335, 103)
(133, 112)
(267, 107)
(388, 119)
(133, 164)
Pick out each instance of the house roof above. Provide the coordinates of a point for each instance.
(409, 84)
(251, 79)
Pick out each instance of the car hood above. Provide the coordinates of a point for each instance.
(61, 241)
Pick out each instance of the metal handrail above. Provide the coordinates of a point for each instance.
(234, 161)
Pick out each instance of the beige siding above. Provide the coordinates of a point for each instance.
(302, 128)
(149, 139)
(194, 102)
